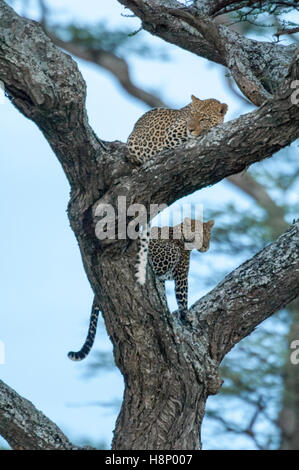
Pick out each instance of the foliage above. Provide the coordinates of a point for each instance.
(256, 17)
(98, 37)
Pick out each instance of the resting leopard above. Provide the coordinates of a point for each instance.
(162, 128)
(170, 257)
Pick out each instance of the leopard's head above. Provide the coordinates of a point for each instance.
(195, 233)
(206, 235)
(204, 115)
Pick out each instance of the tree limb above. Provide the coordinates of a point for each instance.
(26, 428)
(286, 31)
(250, 294)
(257, 67)
(225, 6)
(46, 86)
(223, 151)
(111, 62)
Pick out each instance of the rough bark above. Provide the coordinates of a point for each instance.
(258, 68)
(26, 428)
(168, 370)
(166, 408)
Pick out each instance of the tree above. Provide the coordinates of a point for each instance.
(259, 377)
(152, 351)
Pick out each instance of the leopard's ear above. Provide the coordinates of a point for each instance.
(210, 223)
(193, 98)
(223, 109)
(187, 228)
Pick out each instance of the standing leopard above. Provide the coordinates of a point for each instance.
(162, 128)
(170, 257)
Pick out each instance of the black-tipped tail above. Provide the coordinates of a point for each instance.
(79, 355)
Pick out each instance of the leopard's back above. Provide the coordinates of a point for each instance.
(163, 128)
(156, 130)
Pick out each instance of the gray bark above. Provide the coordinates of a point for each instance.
(26, 428)
(257, 67)
(170, 404)
(168, 370)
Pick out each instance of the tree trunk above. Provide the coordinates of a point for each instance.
(169, 370)
(289, 414)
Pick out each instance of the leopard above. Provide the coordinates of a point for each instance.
(93, 321)
(169, 256)
(164, 128)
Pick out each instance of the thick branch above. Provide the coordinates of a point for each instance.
(157, 20)
(225, 150)
(46, 86)
(225, 6)
(257, 67)
(259, 287)
(26, 428)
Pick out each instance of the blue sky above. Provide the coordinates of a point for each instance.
(45, 295)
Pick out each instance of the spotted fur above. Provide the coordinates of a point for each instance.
(162, 128)
(78, 356)
(142, 255)
(170, 257)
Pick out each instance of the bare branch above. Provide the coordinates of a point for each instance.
(111, 62)
(157, 20)
(251, 293)
(223, 151)
(26, 428)
(286, 31)
(47, 87)
(226, 6)
(257, 67)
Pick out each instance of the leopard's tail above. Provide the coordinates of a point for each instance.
(142, 256)
(79, 355)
